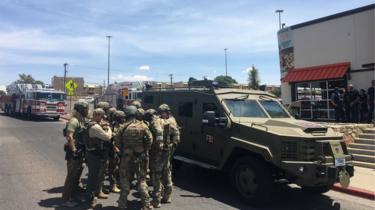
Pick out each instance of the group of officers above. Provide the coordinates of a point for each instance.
(125, 146)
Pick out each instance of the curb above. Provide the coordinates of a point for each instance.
(355, 191)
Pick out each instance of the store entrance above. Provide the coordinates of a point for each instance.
(314, 99)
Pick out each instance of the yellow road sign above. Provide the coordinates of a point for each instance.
(71, 87)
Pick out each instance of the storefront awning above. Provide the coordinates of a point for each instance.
(325, 72)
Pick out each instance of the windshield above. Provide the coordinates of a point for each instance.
(245, 108)
(274, 109)
(50, 96)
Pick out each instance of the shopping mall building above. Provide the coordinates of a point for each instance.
(319, 55)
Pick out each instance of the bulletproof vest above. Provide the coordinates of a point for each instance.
(133, 135)
(90, 143)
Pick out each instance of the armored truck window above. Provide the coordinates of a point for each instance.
(245, 108)
(274, 109)
(209, 107)
(185, 109)
(148, 99)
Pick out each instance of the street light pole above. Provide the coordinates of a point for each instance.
(65, 65)
(109, 54)
(226, 62)
(279, 11)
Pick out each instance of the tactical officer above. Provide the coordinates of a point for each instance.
(114, 161)
(107, 149)
(338, 105)
(74, 152)
(137, 104)
(111, 116)
(99, 132)
(134, 140)
(167, 138)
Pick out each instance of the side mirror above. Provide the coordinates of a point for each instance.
(208, 118)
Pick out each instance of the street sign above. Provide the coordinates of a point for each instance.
(71, 87)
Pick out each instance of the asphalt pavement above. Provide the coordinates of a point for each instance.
(33, 169)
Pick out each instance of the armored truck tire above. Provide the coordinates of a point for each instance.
(57, 118)
(251, 180)
(317, 189)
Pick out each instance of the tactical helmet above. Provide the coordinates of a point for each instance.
(104, 105)
(112, 110)
(137, 104)
(99, 111)
(80, 106)
(164, 108)
(119, 114)
(150, 112)
(131, 111)
(140, 112)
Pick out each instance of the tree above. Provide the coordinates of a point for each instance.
(28, 79)
(253, 78)
(191, 80)
(225, 81)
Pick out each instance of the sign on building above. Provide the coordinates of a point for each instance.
(286, 49)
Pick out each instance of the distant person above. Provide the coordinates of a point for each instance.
(363, 108)
(371, 101)
(338, 105)
(352, 104)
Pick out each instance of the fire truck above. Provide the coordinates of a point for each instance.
(31, 100)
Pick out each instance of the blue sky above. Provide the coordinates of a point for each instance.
(151, 38)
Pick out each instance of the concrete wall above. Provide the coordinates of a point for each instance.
(349, 38)
(362, 80)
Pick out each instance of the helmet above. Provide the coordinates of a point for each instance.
(80, 106)
(104, 105)
(164, 108)
(119, 114)
(112, 110)
(99, 111)
(131, 111)
(150, 112)
(137, 104)
(140, 112)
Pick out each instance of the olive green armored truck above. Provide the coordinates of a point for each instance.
(252, 137)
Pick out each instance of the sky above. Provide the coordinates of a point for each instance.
(150, 38)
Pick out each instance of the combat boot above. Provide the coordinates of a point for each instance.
(122, 205)
(147, 207)
(115, 189)
(102, 195)
(156, 204)
(93, 202)
(166, 200)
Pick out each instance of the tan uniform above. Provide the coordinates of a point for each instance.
(134, 140)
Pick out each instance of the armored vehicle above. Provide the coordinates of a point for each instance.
(252, 137)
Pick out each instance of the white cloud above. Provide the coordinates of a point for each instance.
(144, 68)
(133, 78)
(3, 87)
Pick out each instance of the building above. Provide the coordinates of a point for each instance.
(319, 55)
(58, 84)
(92, 90)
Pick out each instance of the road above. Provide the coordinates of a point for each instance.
(32, 172)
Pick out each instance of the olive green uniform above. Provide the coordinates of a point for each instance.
(74, 160)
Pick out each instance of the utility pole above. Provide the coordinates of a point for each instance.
(226, 62)
(279, 11)
(171, 78)
(109, 54)
(65, 65)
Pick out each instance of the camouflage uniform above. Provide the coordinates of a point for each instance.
(73, 148)
(97, 135)
(134, 140)
(167, 137)
(114, 161)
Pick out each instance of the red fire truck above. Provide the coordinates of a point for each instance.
(33, 100)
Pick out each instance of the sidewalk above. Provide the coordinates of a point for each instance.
(362, 184)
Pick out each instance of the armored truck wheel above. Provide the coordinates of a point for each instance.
(317, 189)
(252, 180)
(57, 118)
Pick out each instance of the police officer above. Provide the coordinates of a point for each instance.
(134, 140)
(74, 150)
(338, 105)
(114, 161)
(167, 135)
(99, 132)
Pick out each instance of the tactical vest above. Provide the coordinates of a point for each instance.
(92, 143)
(133, 136)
